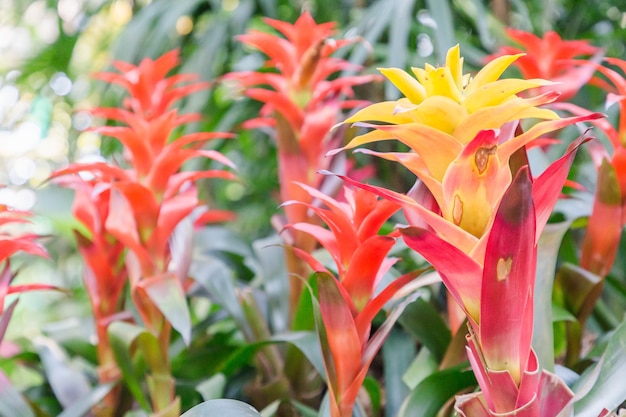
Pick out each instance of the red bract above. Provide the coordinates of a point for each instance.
(151, 91)
(552, 58)
(133, 213)
(11, 244)
(347, 303)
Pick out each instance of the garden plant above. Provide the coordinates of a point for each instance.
(302, 211)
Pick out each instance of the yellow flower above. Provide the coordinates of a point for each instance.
(460, 132)
(445, 99)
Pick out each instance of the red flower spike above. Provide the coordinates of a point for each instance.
(552, 58)
(603, 233)
(152, 93)
(359, 252)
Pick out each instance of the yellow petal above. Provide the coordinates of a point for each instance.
(421, 74)
(369, 137)
(490, 72)
(440, 112)
(436, 148)
(499, 91)
(407, 85)
(495, 117)
(414, 163)
(439, 82)
(385, 111)
(455, 63)
(535, 113)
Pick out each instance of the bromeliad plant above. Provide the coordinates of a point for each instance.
(467, 147)
(139, 222)
(350, 298)
(301, 105)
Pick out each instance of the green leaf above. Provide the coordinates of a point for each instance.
(217, 278)
(398, 353)
(434, 391)
(271, 409)
(222, 408)
(602, 386)
(307, 343)
(373, 390)
(212, 388)
(422, 366)
(168, 296)
(378, 17)
(11, 401)
(547, 254)
(68, 383)
(560, 314)
(82, 407)
(125, 339)
(425, 323)
(270, 268)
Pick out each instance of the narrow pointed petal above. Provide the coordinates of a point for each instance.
(436, 148)
(172, 212)
(385, 112)
(360, 279)
(497, 92)
(495, 117)
(121, 224)
(509, 147)
(491, 72)
(278, 101)
(439, 112)
(473, 184)
(407, 85)
(363, 320)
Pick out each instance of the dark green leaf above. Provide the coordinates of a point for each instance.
(434, 391)
(398, 353)
(425, 323)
